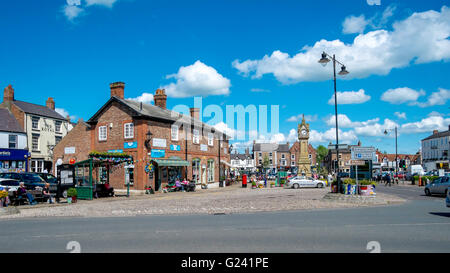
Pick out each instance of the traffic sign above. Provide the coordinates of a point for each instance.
(358, 162)
(360, 153)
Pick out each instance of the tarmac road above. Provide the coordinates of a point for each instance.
(420, 225)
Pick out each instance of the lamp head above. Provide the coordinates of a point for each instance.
(343, 71)
(324, 60)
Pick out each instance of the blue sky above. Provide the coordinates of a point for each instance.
(241, 52)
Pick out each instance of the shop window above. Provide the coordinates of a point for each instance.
(102, 175)
(129, 130)
(12, 142)
(58, 126)
(210, 170)
(174, 132)
(37, 166)
(196, 170)
(35, 123)
(102, 133)
(35, 142)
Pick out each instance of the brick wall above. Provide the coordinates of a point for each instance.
(78, 137)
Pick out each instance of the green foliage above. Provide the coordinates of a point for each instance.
(349, 181)
(266, 162)
(106, 154)
(72, 192)
(366, 182)
(431, 178)
(254, 183)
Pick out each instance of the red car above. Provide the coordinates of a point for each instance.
(400, 176)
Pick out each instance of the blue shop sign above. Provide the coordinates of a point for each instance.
(130, 145)
(175, 147)
(13, 154)
(157, 153)
(115, 151)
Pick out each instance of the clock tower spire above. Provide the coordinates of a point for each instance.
(304, 163)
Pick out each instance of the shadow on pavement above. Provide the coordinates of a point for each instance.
(443, 214)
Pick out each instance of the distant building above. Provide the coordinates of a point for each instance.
(13, 144)
(243, 162)
(387, 161)
(295, 149)
(43, 126)
(435, 150)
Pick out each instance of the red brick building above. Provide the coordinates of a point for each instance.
(164, 144)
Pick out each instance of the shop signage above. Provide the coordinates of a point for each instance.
(357, 162)
(203, 147)
(115, 151)
(175, 147)
(159, 142)
(69, 150)
(130, 145)
(13, 154)
(158, 153)
(359, 153)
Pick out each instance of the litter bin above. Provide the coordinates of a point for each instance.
(244, 181)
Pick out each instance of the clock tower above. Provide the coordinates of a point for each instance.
(304, 163)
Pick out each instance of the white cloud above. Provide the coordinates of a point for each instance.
(145, 98)
(420, 38)
(330, 136)
(350, 97)
(65, 113)
(345, 122)
(401, 95)
(375, 129)
(436, 98)
(259, 90)
(72, 10)
(400, 115)
(308, 118)
(75, 8)
(353, 24)
(106, 3)
(426, 125)
(197, 80)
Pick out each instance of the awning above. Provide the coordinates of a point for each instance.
(226, 163)
(171, 162)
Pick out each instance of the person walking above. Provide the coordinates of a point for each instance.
(388, 179)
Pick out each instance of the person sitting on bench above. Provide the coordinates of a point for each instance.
(22, 193)
(46, 193)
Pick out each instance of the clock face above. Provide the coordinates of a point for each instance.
(304, 132)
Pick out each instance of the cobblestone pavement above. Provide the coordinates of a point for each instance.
(233, 199)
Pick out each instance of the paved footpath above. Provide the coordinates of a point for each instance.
(228, 200)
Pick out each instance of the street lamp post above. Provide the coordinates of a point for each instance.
(396, 154)
(323, 61)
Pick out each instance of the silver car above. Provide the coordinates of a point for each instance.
(438, 186)
(304, 182)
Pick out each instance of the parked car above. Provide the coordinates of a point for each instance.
(10, 185)
(438, 186)
(400, 175)
(304, 182)
(31, 180)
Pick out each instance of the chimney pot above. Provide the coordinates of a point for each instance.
(117, 89)
(50, 103)
(160, 98)
(8, 94)
(435, 132)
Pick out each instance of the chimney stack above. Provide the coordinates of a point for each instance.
(160, 98)
(8, 94)
(50, 103)
(435, 132)
(117, 89)
(195, 113)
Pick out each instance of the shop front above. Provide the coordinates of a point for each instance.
(167, 171)
(13, 160)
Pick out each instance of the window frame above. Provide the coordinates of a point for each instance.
(174, 128)
(210, 139)
(56, 126)
(128, 130)
(16, 140)
(35, 120)
(100, 133)
(195, 136)
(37, 144)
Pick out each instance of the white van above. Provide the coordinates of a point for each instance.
(416, 169)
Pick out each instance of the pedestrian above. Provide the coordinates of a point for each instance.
(388, 179)
(22, 193)
(330, 179)
(46, 193)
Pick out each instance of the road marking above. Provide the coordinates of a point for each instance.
(416, 224)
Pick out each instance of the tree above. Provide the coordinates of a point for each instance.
(321, 152)
(266, 163)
